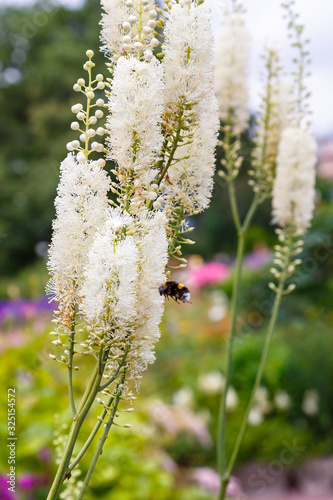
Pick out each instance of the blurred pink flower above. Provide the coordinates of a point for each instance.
(209, 273)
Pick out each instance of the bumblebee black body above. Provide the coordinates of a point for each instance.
(177, 291)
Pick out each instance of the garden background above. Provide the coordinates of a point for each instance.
(169, 452)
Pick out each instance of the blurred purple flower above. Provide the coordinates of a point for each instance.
(209, 273)
(28, 481)
(23, 309)
(44, 454)
(259, 257)
(4, 493)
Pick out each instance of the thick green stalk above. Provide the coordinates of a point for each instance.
(86, 403)
(103, 438)
(91, 437)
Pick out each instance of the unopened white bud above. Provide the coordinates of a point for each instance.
(75, 126)
(157, 205)
(100, 131)
(153, 14)
(91, 132)
(100, 85)
(69, 146)
(129, 3)
(151, 23)
(76, 87)
(100, 102)
(132, 19)
(138, 46)
(90, 54)
(80, 116)
(96, 146)
(152, 195)
(81, 157)
(101, 163)
(76, 108)
(90, 95)
(99, 77)
(147, 30)
(75, 144)
(81, 82)
(52, 356)
(92, 120)
(127, 39)
(154, 42)
(126, 26)
(83, 137)
(127, 47)
(148, 55)
(99, 113)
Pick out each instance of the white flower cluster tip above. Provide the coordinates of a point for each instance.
(294, 187)
(231, 72)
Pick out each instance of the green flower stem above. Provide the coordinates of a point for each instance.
(174, 146)
(221, 434)
(103, 414)
(233, 204)
(242, 231)
(239, 440)
(86, 403)
(70, 369)
(103, 438)
(91, 437)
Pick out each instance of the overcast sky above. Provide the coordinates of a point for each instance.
(264, 19)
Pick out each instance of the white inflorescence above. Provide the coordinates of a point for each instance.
(81, 209)
(136, 106)
(110, 278)
(112, 31)
(152, 245)
(294, 187)
(231, 72)
(128, 28)
(189, 95)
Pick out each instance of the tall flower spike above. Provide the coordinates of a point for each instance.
(136, 106)
(81, 208)
(190, 105)
(153, 257)
(294, 187)
(276, 113)
(231, 72)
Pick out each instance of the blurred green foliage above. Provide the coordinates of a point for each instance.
(42, 50)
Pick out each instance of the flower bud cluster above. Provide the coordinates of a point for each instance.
(286, 259)
(90, 135)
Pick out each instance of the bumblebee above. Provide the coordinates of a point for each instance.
(177, 291)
